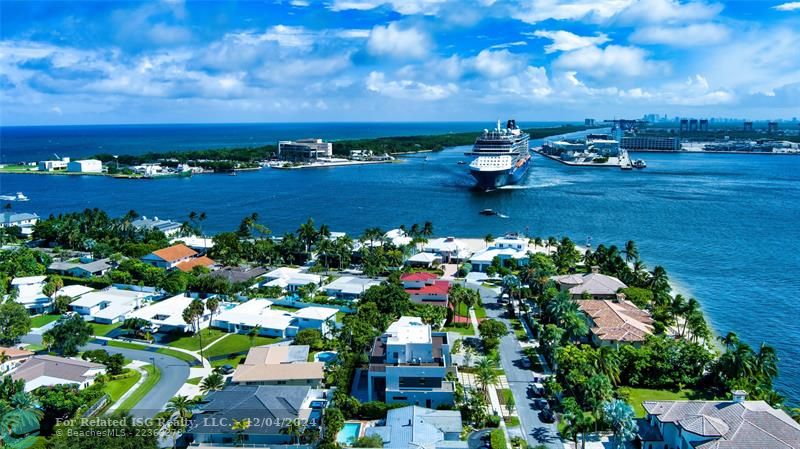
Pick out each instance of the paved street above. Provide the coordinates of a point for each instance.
(511, 355)
(174, 373)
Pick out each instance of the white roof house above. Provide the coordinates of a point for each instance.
(482, 259)
(319, 318)
(289, 278)
(168, 313)
(408, 329)
(74, 291)
(30, 294)
(256, 312)
(425, 259)
(197, 243)
(349, 287)
(108, 306)
(398, 237)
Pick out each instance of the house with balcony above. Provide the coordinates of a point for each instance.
(409, 363)
(426, 288)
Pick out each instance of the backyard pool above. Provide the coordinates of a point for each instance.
(326, 356)
(349, 433)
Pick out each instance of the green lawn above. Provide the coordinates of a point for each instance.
(42, 320)
(638, 395)
(117, 387)
(192, 342)
(194, 380)
(103, 329)
(140, 347)
(511, 421)
(480, 312)
(153, 376)
(233, 361)
(466, 330)
(127, 345)
(234, 343)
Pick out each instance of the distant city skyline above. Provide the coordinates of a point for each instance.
(402, 61)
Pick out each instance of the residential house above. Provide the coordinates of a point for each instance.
(201, 261)
(107, 306)
(449, 249)
(167, 315)
(23, 220)
(279, 365)
(170, 257)
(236, 275)
(424, 260)
(168, 227)
(409, 364)
(320, 318)
(47, 370)
(10, 358)
(426, 288)
(504, 249)
(29, 294)
(82, 270)
(594, 284)
(268, 407)
(398, 237)
(420, 427)
(74, 291)
(200, 244)
(734, 424)
(349, 287)
(289, 279)
(243, 317)
(615, 322)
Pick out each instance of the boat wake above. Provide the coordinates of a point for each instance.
(540, 185)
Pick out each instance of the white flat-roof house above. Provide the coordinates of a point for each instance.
(409, 364)
(320, 318)
(107, 306)
(20, 219)
(85, 166)
(167, 314)
(290, 279)
(450, 249)
(168, 227)
(29, 294)
(505, 249)
(349, 287)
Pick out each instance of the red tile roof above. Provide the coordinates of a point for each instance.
(418, 276)
(186, 266)
(437, 288)
(175, 252)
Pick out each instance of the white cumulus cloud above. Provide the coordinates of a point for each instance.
(566, 41)
(789, 6)
(693, 35)
(497, 64)
(408, 89)
(392, 40)
(610, 61)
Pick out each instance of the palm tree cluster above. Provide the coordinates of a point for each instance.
(742, 368)
(460, 295)
(18, 409)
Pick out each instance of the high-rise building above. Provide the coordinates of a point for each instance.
(748, 126)
(704, 124)
(588, 122)
(772, 127)
(684, 124)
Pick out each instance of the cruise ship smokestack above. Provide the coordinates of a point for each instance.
(511, 124)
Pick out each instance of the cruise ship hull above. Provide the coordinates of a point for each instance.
(494, 179)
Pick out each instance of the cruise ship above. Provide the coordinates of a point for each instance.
(502, 156)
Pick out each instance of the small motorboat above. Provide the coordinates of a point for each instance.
(461, 162)
(489, 212)
(639, 163)
(232, 173)
(18, 197)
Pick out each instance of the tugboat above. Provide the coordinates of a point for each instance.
(639, 163)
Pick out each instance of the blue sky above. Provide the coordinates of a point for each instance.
(398, 60)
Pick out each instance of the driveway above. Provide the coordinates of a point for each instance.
(174, 373)
(511, 356)
(474, 439)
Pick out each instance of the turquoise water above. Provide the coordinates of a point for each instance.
(349, 433)
(724, 226)
(326, 356)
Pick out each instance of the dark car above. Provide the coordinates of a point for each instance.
(547, 415)
(541, 404)
(226, 369)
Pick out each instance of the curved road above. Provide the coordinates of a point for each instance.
(174, 373)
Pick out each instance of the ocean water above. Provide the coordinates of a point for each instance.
(32, 143)
(724, 226)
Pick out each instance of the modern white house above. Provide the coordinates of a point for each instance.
(242, 318)
(23, 220)
(349, 287)
(108, 306)
(409, 364)
(167, 315)
(419, 427)
(46, 370)
(289, 279)
(734, 424)
(504, 249)
(85, 166)
(168, 227)
(29, 294)
(449, 249)
(320, 318)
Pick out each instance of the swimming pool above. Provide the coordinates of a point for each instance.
(349, 433)
(326, 356)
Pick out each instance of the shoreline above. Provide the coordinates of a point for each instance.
(333, 164)
(607, 164)
(760, 153)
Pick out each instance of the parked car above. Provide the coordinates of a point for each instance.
(226, 369)
(547, 415)
(541, 404)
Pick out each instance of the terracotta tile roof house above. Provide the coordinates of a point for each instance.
(614, 322)
(279, 365)
(202, 261)
(597, 285)
(736, 424)
(45, 370)
(426, 288)
(15, 357)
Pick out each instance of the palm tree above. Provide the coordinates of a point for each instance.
(488, 238)
(180, 405)
(606, 361)
(253, 333)
(551, 242)
(47, 340)
(240, 427)
(537, 242)
(23, 409)
(766, 363)
(486, 373)
(294, 430)
(631, 252)
(212, 382)
(427, 229)
(212, 305)
(307, 234)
